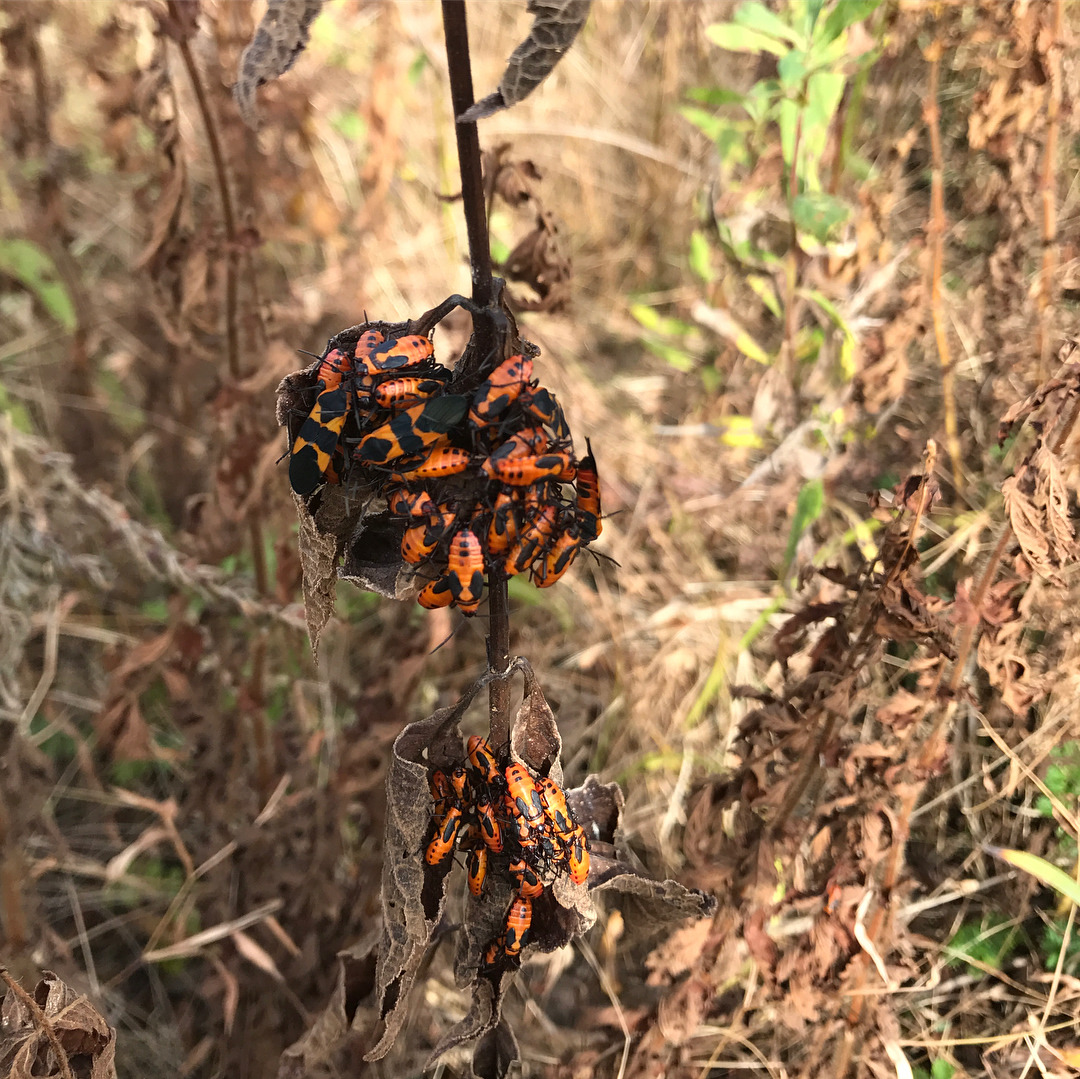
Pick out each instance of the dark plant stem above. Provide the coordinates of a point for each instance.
(456, 32)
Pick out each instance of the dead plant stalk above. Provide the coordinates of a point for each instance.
(936, 232)
(456, 33)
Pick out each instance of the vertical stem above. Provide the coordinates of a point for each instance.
(456, 32)
(468, 141)
(936, 232)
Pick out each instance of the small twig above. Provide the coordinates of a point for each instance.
(40, 1021)
(936, 232)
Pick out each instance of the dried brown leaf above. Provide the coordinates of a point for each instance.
(279, 39)
(413, 894)
(1026, 523)
(556, 25)
(678, 953)
(349, 1015)
(540, 260)
(79, 1028)
(495, 1053)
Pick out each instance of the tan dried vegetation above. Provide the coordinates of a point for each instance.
(192, 812)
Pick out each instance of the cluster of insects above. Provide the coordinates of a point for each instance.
(475, 478)
(506, 813)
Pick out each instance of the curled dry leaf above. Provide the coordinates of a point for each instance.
(540, 259)
(413, 894)
(556, 25)
(495, 1053)
(279, 39)
(77, 1026)
(351, 1012)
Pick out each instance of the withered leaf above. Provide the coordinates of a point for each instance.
(79, 1028)
(349, 1013)
(413, 895)
(556, 25)
(540, 261)
(495, 1053)
(279, 39)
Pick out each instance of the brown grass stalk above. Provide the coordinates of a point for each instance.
(935, 231)
(1047, 193)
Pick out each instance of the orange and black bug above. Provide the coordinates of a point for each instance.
(541, 405)
(534, 537)
(417, 544)
(318, 436)
(410, 351)
(553, 800)
(477, 870)
(587, 508)
(459, 781)
(502, 532)
(501, 390)
(522, 792)
(526, 878)
(445, 462)
(440, 793)
(577, 856)
(465, 569)
(490, 829)
(518, 920)
(524, 471)
(446, 830)
(367, 341)
(403, 392)
(409, 504)
(412, 431)
(436, 594)
(529, 440)
(558, 559)
(483, 761)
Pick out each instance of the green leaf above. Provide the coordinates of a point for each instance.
(731, 146)
(1041, 870)
(765, 291)
(941, 1069)
(844, 14)
(757, 16)
(724, 324)
(712, 126)
(792, 69)
(823, 92)
(985, 944)
(716, 96)
(760, 97)
(808, 507)
(670, 354)
(19, 417)
(735, 38)
(701, 257)
(34, 270)
(819, 214)
(788, 119)
(417, 67)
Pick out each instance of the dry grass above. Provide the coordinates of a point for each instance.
(179, 779)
